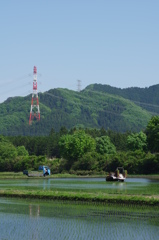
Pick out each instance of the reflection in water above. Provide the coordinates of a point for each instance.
(34, 213)
(78, 183)
(63, 220)
(46, 184)
(34, 210)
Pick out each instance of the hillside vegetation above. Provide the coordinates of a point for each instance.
(147, 98)
(95, 107)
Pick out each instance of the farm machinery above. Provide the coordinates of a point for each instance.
(42, 172)
(119, 175)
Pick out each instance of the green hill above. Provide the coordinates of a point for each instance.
(95, 107)
(147, 98)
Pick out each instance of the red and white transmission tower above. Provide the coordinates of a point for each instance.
(35, 110)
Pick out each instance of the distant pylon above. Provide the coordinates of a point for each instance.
(35, 110)
(78, 85)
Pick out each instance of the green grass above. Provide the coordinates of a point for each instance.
(14, 175)
(84, 197)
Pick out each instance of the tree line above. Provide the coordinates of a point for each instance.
(84, 151)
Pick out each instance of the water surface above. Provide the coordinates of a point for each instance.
(141, 184)
(21, 219)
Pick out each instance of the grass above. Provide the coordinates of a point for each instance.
(6, 175)
(84, 197)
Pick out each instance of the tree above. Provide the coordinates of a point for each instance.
(137, 141)
(52, 145)
(63, 131)
(52, 132)
(104, 145)
(73, 147)
(22, 151)
(87, 162)
(152, 132)
(7, 151)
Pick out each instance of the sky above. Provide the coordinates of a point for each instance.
(95, 41)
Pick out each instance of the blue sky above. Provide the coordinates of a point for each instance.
(96, 41)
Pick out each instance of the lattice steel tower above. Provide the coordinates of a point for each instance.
(35, 110)
(78, 85)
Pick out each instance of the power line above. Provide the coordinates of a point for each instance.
(143, 103)
(78, 88)
(81, 105)
(85, 105)
(88, 106)
(15, 80)
(101, 109)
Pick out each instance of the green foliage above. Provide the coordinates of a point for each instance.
(21, 151)
(86, 162)
(152, 131)
(147, 98)
(119, 139)
(83, 150)
(55, 166)
(29, 163)
(63, 107)
(150, 164)
(7, 151)
(104, 145)
(72, 147)
(137, 141)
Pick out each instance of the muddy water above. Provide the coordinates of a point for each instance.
(29, 219)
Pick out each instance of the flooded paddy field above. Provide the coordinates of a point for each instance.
(132, 186)
(52, 219)
(32, 219)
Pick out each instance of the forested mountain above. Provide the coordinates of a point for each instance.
(147, 98)
(95, 107)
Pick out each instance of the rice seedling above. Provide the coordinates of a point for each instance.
(74, 220)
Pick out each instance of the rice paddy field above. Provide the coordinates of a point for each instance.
(79, 208)
(32, 219)
(89, 189)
